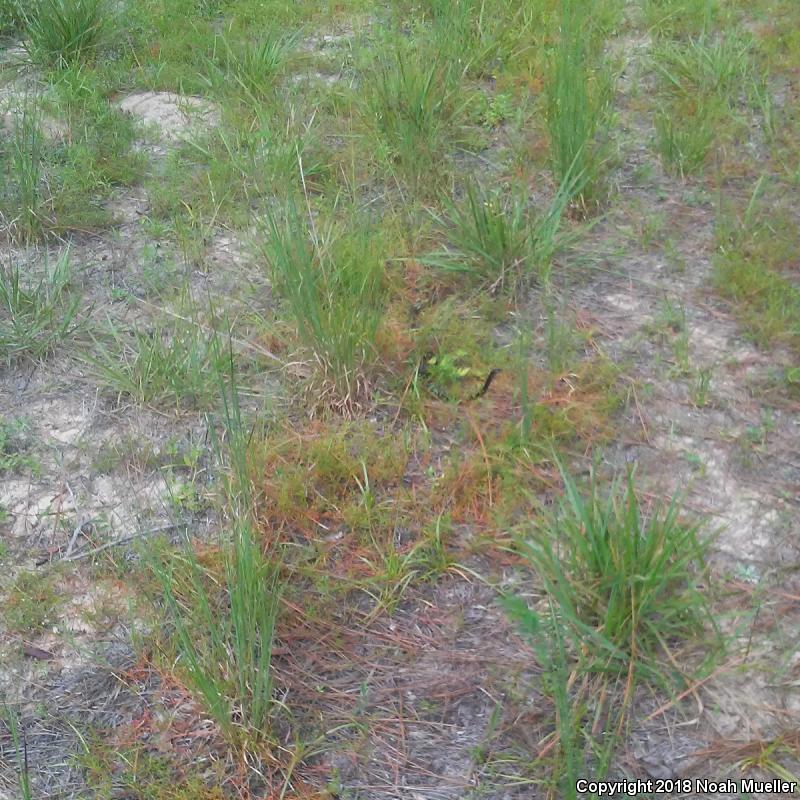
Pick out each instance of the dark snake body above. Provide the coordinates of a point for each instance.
(422, 369)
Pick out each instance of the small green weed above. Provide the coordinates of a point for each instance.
(431, 552)
(31, 603)
(671, 327)
(560, 338)
(15, 447)
(791, 380)
(497, 109)
(393, 574)
(684, 142)
(702, 386)
(185, 496)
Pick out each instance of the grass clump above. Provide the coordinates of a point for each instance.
(490, 236)
(224, 624)
(34, 319)
(623, 576)
(63, 33)
(468, 34)
(139, 773)
(174, 366)
(577, 752)
(756, 251)
(54, 183)
(496, 238)
(224, 175)
(413, 108)
(11, 16)
(24, 196)
(11, 717)
(317, 474)
(224, 629)
(684, 146)
(102, 147)
(680, 17)
(706, 65)
(703, 79)
(31, 603)
(769, 303)
(578, 102)
(252, 68)
(15, 447)
(333, 285)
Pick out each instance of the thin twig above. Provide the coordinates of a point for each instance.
(485, 457)
(116, 542)
(692, 689)
(83, 522)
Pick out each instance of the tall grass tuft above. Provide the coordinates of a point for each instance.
(578, 100)
(756, 247)
(496, 238)
(11, 16)
(673, 18)
(413, 107)
(252, 68)
(467, 33)
(225, 629)
(225, 637)
(333, 285)
(489, 236)
(64, 33)
(552, 653)
(623, 576)
(25, 196)
(703, 79)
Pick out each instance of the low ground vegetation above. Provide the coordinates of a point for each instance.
(398, 399)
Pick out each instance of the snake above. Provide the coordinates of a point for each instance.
(422, 369)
